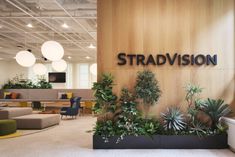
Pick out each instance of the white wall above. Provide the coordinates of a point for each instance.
(8, 70)
(3, 72)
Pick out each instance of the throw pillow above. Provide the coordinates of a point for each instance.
(69, 95)
(60, 95)
(8, 96)
(14, 95)
(64, 96)
(6, 93)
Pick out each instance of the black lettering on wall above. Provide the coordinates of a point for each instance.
(179, 59)
(211, 60)
(200, 59)
(122, 59)
(171, 60)
(140, 59)
(185, 60)
(131, 58)
(192, 60)
(150, 60)
(161, 59)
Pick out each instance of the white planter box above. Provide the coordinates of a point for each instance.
(231, 131)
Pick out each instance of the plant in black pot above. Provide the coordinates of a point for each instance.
(127, 122)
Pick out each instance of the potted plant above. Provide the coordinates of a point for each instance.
(127, 129)
(105, 99)
(147, 89)
(18, 82)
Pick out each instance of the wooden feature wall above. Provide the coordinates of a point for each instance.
(161, 26)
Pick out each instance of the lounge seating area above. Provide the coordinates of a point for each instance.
(117, 78)
(25, 119)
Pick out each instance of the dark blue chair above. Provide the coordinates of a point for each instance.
(73, 110)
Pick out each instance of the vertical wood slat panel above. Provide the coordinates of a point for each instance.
(169, 26)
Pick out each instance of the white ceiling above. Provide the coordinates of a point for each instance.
(47, 17)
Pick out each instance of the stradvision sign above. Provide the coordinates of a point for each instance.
(171, 59)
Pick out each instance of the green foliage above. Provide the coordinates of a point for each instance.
(221, 128)
(150, 127)
(192, 93)
(97, 109)
(43, 84)
(125, 118)
(126, 96)
(173, 120)
(19, 83)
(128, 122)
(198, 128)
(215, 109)
(105, 99)
(106, 129)
(147, 87)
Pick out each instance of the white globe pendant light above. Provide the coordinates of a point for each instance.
(39, 69)
(59, 66)
(52, 50)
(93, 69)
(25, 58)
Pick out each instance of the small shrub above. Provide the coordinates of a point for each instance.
(215, 109)
(173, 120)
(147, 89)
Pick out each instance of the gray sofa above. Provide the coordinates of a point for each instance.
(9, 113)
(25, 119)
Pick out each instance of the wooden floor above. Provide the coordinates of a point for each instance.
(70, 139)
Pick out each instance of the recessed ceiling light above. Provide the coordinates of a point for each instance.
(69, 57)
(88, 57)
(29, 25)
(91, 46)
(65, 25)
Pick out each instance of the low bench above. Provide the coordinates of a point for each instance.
(9, 113)
(37, 121)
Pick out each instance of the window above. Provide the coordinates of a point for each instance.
(83, 76)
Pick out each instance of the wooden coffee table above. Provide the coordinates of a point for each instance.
(50, 112)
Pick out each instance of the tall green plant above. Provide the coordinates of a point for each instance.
(192, 97)
(147, 89)
(105, 99)
(215, 109)
(192, 94)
